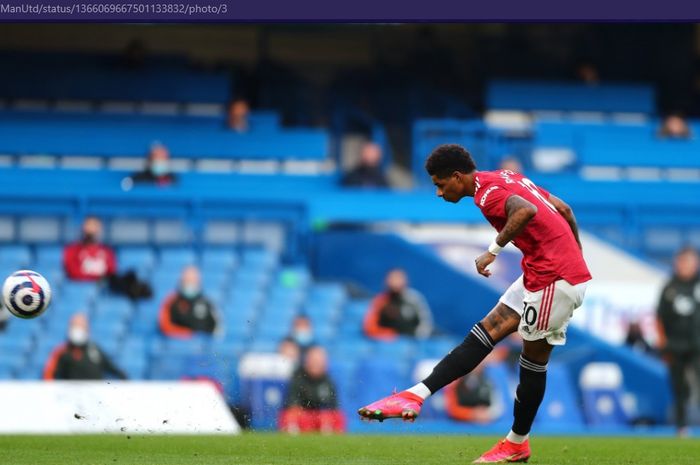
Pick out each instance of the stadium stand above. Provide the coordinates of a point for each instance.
(63, 146)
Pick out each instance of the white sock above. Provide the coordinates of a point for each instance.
(516, 438)
(421, 390)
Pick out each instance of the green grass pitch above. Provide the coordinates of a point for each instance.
(274, 449)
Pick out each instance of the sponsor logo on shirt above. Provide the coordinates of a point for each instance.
(488, 191)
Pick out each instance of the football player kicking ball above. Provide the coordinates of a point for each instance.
(538, 304)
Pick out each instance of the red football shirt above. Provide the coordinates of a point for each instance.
(550, 251)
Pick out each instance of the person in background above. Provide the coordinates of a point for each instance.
(398, 311)
(368, 173)
(89, 259)
(472, 398)
(674, 126)
(302, 332)
(188, 310)
(635, 339)
(238, 112)
(511, 163)
(157, 169)
(79, 358)
(311, 403)
(587, 73)
(290, 350)
(678, 315)
(4, 317)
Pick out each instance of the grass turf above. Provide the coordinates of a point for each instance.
(274, 449)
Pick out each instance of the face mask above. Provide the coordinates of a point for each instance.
(394, 294)
(190, 291)
(303, 337)
(78, 336)
(159, 168)
(90, 238)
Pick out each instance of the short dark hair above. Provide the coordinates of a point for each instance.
(448, 158)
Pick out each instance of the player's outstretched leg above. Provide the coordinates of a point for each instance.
(499, 323)
(528, 397)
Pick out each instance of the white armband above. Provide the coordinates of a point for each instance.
(494, 248)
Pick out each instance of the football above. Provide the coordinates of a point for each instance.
(26, 294)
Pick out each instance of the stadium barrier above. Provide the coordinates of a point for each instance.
(71, 407)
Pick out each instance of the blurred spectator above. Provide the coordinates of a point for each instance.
(368, 173)
(312, 402)
(88, 259)
(674, 126)
(157, 169)
(4, 316)
(511, 163)
(79, 357)
(134, 54)
(399, 310)
(472, 398)
(302, 332)
(587, 73)
(238, 112)
(635, 339)
(679, 329)
(290, 350)
(188, 310)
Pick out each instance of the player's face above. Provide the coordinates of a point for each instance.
(450, 188)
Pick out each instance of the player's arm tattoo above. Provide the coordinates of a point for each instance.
(519, 212)
(565, 210)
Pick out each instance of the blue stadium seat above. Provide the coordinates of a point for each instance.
(113, 308)
(376, 378)
(602, 388)
(15, 257)
(139, 258)
(49, 256)
(218, 258)
(263, 345)
(258, 258)
(176, 258)
(400, 349)
(560, 406)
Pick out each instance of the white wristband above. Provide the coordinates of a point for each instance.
(494, 248)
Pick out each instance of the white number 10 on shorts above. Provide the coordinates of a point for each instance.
(544, 314)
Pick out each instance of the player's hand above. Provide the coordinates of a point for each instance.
(483, 261)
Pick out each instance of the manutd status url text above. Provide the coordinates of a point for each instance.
(78, 9)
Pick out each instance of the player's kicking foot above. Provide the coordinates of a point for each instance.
(506, 452)
(404, 404)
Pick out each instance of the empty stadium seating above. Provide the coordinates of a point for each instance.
(256, 296)
(569, 96)
(97, 77)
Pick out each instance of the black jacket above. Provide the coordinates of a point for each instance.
(311, 393)
(679, 314)
(197, 314)
(86, 362)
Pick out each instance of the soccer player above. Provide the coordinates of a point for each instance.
(538, 304)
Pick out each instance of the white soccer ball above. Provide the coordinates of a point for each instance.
(26, 294)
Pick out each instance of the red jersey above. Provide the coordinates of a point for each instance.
(550, 251)
(88, 262)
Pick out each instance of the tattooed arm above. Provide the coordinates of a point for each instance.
(565, 210)
(519, 212)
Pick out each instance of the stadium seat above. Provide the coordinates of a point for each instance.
(559, 408)
(176, 258)
(139, 258)
(15, 257)
(49, 256)
(376, 378)
(218, 259)
(601, 386)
